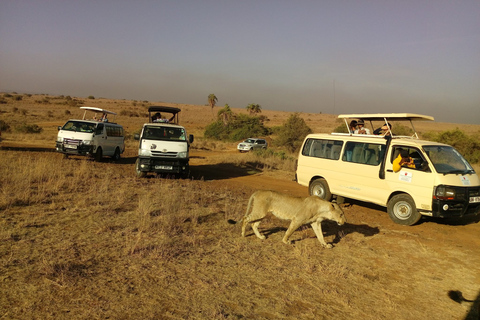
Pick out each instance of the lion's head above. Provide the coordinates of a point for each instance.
(337, 214)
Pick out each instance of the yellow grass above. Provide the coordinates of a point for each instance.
(87, 240)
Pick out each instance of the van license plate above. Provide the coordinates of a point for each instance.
(70, 146)
(164, 167)
(474, 199)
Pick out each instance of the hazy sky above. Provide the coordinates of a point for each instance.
(329, 56)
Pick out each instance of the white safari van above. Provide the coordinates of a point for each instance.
(95, 137)
(164, 145)
(438, 181)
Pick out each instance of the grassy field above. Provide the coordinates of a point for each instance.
(88, 240)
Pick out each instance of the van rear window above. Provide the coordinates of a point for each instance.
(320, 148)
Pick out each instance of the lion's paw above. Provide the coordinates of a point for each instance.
(328, 246)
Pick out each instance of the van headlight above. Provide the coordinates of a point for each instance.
(144, 152)
(444, 193)
(183, 154)
(87, 142)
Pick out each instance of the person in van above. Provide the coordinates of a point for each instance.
(352, 126)
(361, 128)
(383, 130)
(403, 160)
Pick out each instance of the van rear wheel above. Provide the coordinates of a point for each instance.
(319, 188)
(402, 210)
(116, 155)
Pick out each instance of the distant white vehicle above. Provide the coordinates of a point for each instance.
(95, 137)
(252, 144)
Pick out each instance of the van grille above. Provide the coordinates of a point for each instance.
(73, 142)
(164, 154)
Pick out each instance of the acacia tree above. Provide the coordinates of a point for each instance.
(254, 108)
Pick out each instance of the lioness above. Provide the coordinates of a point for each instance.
(311, 210)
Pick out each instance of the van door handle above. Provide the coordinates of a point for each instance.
(389, 170)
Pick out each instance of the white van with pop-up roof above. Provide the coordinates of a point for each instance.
(164, 145)
(435, 179)
(94, 136)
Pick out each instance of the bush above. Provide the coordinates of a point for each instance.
(91, 97)
(292, 133)
(239, 127)
(29, 128)
(468, 146)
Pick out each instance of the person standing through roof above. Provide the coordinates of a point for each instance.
(352, 126)
(385, 130)
(361, 128)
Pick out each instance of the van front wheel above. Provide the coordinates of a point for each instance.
(402, 210)
(99, 155)
(140, 174)
(320, 189)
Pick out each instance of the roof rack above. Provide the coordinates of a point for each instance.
(384, 117)
(98, 110)
(159, 109)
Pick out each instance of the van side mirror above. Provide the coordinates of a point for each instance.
(59, 128)
(136, 136)
(424, 166)
(190, 138)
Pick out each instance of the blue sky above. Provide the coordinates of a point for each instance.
(308, 56)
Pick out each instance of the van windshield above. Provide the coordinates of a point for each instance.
(164, 133)
(79, 126)
(447, 160)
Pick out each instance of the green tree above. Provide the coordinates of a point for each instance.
(254, 108)
(292, 133)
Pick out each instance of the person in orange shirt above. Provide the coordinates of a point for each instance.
(403, 160)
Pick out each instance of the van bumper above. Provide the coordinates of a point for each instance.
(162, 165)
(82, 150)
(450, 209)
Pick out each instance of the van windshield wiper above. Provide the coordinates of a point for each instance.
(464, 171)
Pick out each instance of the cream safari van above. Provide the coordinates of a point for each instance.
(438, 183)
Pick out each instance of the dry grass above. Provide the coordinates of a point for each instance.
(87, 240)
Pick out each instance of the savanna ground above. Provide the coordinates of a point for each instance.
(82, 239)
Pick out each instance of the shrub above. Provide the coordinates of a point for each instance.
(91, 97)
(17, 98)
(29, 128)
(67, 112)
(292, 133)
(239, 127)
(468, 146)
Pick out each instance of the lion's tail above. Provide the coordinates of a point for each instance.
(250, 201)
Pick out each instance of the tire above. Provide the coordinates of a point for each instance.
(319, 188)
(116, 155)
(402, 210)
(140, 174)
(99, 154)
(65, 156)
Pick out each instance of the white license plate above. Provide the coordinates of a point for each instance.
(474, 199)
(71, 146)
(163, 167)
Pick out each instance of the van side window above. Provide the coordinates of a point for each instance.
(99, 129)
(414, 153)
(364, 153)
(320, 148)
